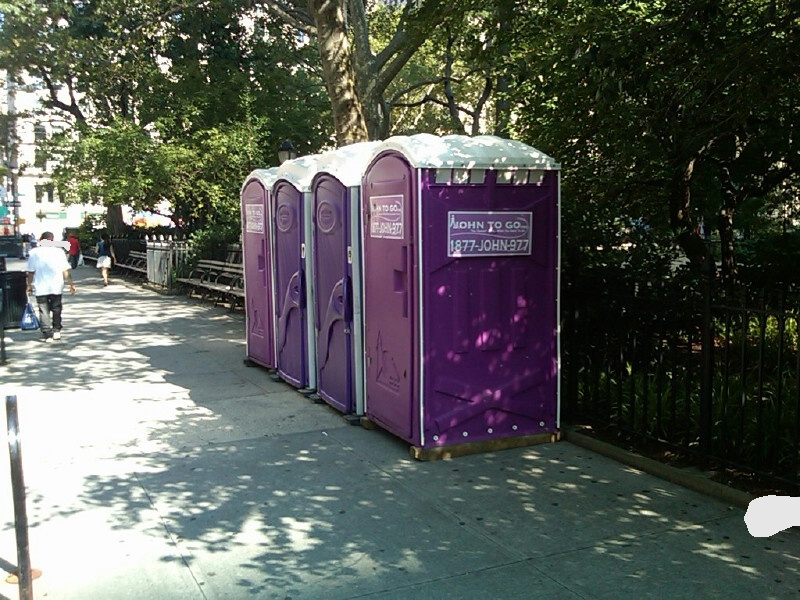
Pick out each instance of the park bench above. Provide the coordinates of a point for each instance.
(220, 280)
(135, 263)
(90, 256)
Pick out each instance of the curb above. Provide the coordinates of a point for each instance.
(693, 481)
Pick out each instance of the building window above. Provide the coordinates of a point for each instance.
(40, 137)
(51, 192)
(39, 194)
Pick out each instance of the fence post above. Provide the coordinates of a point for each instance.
(24, 574)
(170, 262)
(565, 401)
(707, 343)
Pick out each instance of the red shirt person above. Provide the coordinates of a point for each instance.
(74, 250)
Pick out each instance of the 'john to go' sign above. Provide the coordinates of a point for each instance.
(489, 233)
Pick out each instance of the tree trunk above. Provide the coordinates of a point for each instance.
(680, 203)
(725, 223)
(730, 201)
(452, 105)
(502, 119)
(374, 73)
(377, 115)
(114, 222)
(337, 70)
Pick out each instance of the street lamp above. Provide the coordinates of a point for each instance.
(286, 151)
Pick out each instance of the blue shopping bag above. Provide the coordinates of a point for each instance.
(28, 321)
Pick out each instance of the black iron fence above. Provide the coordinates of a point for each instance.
(124, 246)
(684, 363)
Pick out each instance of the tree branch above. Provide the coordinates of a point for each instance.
(424, 83)
(482, 100)
(452, 108)
(291, 13)
(362, 52)
(53, 100)
(434, 100)
(407, 40)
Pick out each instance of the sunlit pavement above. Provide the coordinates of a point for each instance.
(158, 465)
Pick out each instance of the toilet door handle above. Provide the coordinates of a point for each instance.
(400, 279)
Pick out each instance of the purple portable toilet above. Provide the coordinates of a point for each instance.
(294, 273)
(461, 255)
(258, 272)
(336, 197)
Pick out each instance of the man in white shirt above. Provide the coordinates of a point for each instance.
(48, 270)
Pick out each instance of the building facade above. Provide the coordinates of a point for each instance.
(29, 200)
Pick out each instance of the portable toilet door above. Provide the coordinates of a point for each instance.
(257, 261)
(461, 291)
(294, 299)
(336, 197)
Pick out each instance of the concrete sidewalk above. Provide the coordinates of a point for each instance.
(159, 466)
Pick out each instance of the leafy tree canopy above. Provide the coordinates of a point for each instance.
(664, 115)
(669, 112)
(157, 90)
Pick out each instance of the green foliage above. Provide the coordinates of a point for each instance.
(199, 176)
(211, 240)
(630, 95)
(207, 179)
(635, 99)
(115, 164)
(771, 259)
(618, 249)
(447, 85)
(417, 96)
(89, 231)
(172, 103)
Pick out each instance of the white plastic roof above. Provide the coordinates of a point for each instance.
(428, 151)
(267, 177)
(299, 171)
(347, 164)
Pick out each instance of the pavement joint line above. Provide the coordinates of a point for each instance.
(558, 582)
(693, 481)
(171, 536)
(452, 576)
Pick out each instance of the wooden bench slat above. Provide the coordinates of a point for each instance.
(222, 279)
(135, 262)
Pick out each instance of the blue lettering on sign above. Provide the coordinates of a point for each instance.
(489, 233)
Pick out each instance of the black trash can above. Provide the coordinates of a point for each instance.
(15, 297)
(3, 357)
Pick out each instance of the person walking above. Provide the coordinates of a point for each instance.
(47, 271)
(105, 256)
(74, 250)
(26, 244)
